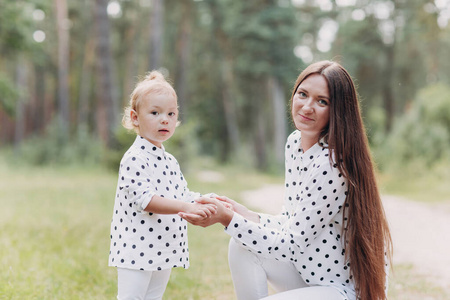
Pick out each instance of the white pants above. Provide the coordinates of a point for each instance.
(251, 273)
(141, 285)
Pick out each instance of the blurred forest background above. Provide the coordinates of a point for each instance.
(68, 67)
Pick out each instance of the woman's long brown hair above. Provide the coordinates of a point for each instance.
(367, 236)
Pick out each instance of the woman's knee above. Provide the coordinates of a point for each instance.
(238, 255)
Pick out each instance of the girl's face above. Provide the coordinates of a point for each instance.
(311, 106)
(156, 118)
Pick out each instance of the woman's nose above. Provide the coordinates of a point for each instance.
(307, 107)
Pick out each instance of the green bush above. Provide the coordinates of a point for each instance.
(421, 137)
(52, 149)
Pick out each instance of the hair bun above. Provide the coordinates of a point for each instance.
(155, 75)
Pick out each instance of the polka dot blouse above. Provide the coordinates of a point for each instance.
(139, 239)
(308, 232)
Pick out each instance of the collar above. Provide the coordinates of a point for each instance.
(144, 145)
(315, 151)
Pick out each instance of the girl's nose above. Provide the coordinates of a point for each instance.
(164, 119)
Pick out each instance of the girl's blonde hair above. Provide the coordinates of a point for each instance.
(153, 83)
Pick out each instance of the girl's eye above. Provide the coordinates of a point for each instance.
(155, 113)
(172, 114)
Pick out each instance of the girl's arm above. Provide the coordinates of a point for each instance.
(161, 205)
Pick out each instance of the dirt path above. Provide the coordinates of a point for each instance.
(420, 231)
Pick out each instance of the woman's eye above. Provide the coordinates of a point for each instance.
(323, 102)
(302, 94)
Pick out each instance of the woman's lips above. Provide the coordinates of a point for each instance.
(305, 118)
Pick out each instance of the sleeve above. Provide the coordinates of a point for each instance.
(136, 178)
(322, 196)
(190, 196)
(273, 221)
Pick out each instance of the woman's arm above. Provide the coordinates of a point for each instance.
(240, 209)
(321, 200)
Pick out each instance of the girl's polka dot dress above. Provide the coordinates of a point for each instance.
(139, 239)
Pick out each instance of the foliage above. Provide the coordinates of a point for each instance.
(8, 95)
(15, 26)
(51, 149)
(232, 51)
(421, 137)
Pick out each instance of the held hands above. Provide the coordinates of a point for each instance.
(201, 210)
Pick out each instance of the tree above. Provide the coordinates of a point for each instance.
(183, 52)
(156, 34)
(105, 92)
(63, 68)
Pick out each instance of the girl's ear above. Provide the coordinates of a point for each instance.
(134, 117)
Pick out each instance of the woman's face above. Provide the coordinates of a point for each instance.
(311, 106)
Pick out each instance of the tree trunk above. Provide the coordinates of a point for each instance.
(388, 96)
(156, 34)
(105, 92)
(279, 113)
(85, 85)
(229, 106)
(21, 83)
(183, 52)
(39, 111)
(260, 142)
(260, 136)
(63, 68)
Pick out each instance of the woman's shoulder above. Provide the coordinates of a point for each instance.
(294, 138)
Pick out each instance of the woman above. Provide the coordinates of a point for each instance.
(332, 240)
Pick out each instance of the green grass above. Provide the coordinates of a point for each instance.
(407, 284)
(54, 237)
(415, 183)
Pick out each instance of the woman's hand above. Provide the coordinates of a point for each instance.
(223, 215)
(240, 209)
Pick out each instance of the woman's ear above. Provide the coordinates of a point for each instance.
(134, 117)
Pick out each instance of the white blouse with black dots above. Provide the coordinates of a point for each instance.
(139, 239)
(308, 232)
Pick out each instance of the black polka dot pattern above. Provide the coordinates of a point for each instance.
(139, 239)
(309, 231)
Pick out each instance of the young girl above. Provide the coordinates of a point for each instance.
(148, 239)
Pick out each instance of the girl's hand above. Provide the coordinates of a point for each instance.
(202, 210)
